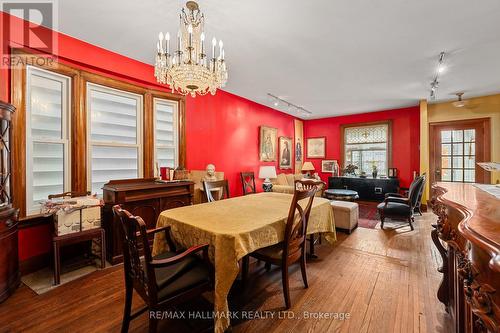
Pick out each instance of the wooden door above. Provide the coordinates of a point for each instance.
(455, 149)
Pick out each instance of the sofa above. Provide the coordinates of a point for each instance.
(285, 183)
(196, 176)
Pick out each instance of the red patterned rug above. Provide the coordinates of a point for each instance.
(368, 214)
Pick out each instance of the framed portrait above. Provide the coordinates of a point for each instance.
(268, 144)
(286, 152)
(327, 165)
(316, 147)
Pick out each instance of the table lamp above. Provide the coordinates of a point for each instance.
(266, 172)
(307, 167)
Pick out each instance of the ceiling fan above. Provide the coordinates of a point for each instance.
(460, 103)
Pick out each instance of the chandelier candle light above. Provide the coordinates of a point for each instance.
(188, 70)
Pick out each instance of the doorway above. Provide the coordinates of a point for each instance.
(455, 149)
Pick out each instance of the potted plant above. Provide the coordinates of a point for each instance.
(350, 169)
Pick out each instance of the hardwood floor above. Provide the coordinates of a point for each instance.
(386, 280)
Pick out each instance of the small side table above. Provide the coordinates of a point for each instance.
(73, 238)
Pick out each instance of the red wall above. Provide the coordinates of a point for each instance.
(224, 130)
(405, 138)
(221, 129)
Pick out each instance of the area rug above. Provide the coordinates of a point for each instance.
(42, 281)
(368, 215)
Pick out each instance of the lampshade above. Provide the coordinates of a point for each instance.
(308, 166)
(267, 171)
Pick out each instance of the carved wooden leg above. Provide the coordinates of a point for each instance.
(267, 266)
(103, 249)
(382, 219)
(286, 289)
(442, 293)
(245, 262)
(410, 221)
(57, 263)
(129, 290)
(311, 247)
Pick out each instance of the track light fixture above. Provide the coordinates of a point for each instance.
(439, 70)
(289, 106)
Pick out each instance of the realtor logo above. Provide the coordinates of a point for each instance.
(30, 24)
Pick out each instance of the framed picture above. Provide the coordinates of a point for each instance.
(268, 142)
(328, 165)
(393, 173)
(316, 147)
(286, 152)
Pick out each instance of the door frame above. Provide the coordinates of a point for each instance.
(482, 176)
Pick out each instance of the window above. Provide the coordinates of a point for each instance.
(458, 159)
(47, 136)
(114, 135)
(166, 133)
(366, 146)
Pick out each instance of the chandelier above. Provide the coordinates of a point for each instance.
(187, 70)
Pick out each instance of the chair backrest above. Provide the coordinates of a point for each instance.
(296, 225)
(421, 192)
(414, 191)
(248, 182)
(216, 190)
(135, 240)
(69, 195)
(308, 184)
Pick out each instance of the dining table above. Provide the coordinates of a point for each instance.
(235, 227)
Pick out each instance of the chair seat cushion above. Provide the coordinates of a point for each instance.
(394, 208)
(274, 251)
(181, 276)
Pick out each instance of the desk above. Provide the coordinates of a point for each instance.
(469, 224)
(234, 228)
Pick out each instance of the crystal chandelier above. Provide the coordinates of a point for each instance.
(188, 70)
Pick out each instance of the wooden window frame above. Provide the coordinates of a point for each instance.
(65, 141)
(482, 176)
(78, 120)
(139, 131)
(373, 123)
(175, 123)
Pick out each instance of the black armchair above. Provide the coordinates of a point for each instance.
(396, 206)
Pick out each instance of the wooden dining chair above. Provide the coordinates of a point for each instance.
(219, 188)
(162, 281)
(293, 247)
(248, 182)
(319, 185)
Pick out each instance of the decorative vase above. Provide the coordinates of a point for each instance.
(374, 174)
(267, 186)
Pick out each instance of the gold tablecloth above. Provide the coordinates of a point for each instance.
(235, 227)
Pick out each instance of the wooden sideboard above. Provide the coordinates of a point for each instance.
(367, 188)
(142, 197)
(467, 235)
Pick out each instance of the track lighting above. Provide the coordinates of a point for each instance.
(439, 70)
(289, 106)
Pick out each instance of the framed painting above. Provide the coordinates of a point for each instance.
(327, 165)
(268, 143)
(286, 152)
(316, 147)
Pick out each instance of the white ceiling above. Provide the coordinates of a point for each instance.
(332, 57)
